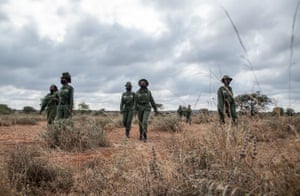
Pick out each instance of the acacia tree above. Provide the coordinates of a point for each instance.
(83, 106)
(253, 103)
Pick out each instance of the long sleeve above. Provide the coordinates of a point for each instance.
(122, 103)
(152, 102)
(220, 100)
(71, 97)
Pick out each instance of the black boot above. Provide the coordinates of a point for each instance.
(145, 137)
(127, 133)
(141, 134)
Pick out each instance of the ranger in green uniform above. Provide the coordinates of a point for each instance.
(142, 105)
(226, 101)
(188, 115)
(126, 107)
(65, 103)
(50, 104)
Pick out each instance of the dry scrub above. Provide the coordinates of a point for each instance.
(257, 157)
(30, 174)
(67, 135)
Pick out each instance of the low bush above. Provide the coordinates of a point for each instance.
(67, 136)
(28, 173)
(167, 123)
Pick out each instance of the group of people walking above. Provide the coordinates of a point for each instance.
(59, 104)
(138, 103)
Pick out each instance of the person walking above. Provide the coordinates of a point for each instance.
(142, 106)
(50, 102)
(189, 115)
(66, 99)
(126, 107)
(226, 103)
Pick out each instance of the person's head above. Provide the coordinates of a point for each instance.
(226, 80)
(65, 78)
(128, 86)
(53, 88)
(143, 83)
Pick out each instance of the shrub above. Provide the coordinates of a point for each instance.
(4, 109)
(67, 136)
(290, 112)
(168, 123)
(29, 109)
(29, 173)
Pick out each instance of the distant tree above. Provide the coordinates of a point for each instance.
(4, 109)
(290, 112)
(253, 103)
(29, 109)
(83, 106)
(279, 111)
(159, 106)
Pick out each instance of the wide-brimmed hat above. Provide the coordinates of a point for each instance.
(67, 76)
(143, 79)
(128, 84)
(226, 77)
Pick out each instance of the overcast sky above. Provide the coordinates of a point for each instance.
(183, 48)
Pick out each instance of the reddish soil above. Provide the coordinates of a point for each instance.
(11, 136)
(14, 135)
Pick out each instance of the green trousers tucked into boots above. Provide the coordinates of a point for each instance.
(143, 123)
(127, 119)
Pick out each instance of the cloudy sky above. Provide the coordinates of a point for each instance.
(183, 47)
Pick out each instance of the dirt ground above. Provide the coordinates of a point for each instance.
(11, 136)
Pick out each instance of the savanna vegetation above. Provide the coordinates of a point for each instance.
(90, 155)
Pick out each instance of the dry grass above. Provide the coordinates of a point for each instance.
(23, 119)
(167, 123)
(79, 137)
(30, 174)
(226, 160)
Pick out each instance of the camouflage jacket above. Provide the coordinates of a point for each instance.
(49, 101)
(66, 95)
(127, 101)
(144, 100)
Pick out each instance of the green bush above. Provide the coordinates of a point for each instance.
(4, 109)
(29, 109)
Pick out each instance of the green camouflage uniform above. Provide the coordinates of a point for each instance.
(226, 101)
(50, 104)
(65, 103)
(126, 107)
(188, 115)
(142, 104)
